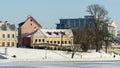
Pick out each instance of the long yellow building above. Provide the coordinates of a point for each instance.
(60, 37)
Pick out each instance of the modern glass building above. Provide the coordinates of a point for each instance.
(75, 23)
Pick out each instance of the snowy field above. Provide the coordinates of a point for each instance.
(31, 55)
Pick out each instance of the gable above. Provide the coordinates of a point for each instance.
(38, 33)
(30, 18)
(29, 26)
(31, 23)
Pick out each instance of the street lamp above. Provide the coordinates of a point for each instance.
(46, 44)
(5, 50)
(61, 39)
(46, 53)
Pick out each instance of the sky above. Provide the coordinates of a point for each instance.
(48, 12)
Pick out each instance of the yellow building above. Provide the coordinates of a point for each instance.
(60, 37)
(31, 34)
(8, 35)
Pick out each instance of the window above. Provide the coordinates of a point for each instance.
(12, 43)
(69, 42)
(50, 41)
(54, 41)
(3, 35)
(58, 42)
(56, 33)
(62, 42)
(65, 42)
(35, 40)
(43, 40)
(12, 35)
(3, 44)
(31, 20)
(39, 40)
(8, 35)
(49, 33)
(8, 44)
(47, 41)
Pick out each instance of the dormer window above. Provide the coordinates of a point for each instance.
(56, 33)
(63, 33)
(49, 33)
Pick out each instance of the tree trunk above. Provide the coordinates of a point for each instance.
(74, 51)
(97, 47)
(106, 47)
(73, 55)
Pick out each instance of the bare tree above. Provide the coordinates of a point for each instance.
(100, 18)
(83, 38)
(96, 34)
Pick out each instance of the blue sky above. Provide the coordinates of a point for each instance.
(48, 12)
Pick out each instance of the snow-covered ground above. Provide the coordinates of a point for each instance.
(24, 54)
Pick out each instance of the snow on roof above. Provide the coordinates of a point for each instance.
(52, 33)
(57, 32)
(112, 24)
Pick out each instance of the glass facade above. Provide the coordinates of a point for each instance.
(75, 23)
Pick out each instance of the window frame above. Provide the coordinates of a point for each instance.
(8, 35)
(3, 35)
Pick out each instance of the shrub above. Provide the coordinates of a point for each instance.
(14, 56)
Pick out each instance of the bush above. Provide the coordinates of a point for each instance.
(64, 48)
(69, 49)
(59, 48)
(14, 56)
(55, 48)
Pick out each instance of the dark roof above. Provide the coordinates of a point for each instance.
(20, 24)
